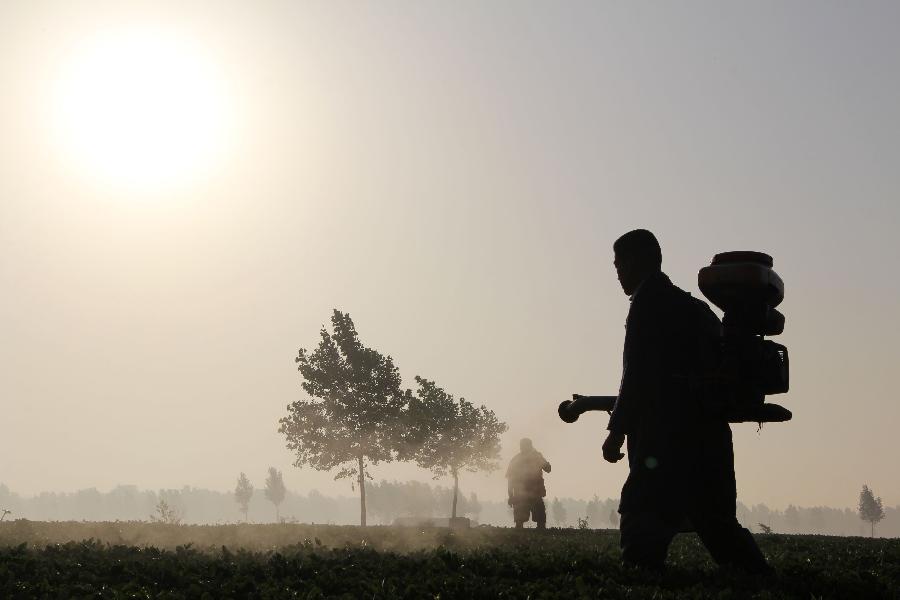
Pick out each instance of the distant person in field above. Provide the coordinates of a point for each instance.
(680, 459)
(526, 485)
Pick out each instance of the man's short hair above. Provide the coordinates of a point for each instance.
(640, 244)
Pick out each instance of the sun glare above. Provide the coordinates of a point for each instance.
(141, 109)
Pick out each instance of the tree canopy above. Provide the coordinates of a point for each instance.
(871, 509)
(447, 435)
(275, 490)
(243, 491)
(353, 415)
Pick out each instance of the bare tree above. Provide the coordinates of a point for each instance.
(242, 494)
(870, 507)
(165, 514)
(275, 490)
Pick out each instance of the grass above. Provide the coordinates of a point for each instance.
(141, 560)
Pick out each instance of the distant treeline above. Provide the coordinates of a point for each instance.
(389, 500)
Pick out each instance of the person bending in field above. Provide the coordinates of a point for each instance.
(680, 457)
(526, 485)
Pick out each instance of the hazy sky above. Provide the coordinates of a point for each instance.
(453, 175)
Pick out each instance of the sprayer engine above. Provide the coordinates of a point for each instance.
(746, 288)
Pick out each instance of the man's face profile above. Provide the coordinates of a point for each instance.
(625, 271)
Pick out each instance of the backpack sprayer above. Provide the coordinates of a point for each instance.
(748, 367)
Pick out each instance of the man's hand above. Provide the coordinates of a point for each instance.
(612, 447)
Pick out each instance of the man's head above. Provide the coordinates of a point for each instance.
(525, 445)
(638, 256)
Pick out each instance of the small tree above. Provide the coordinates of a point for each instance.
(275, 490)
(870, 507)
(354, 414)
(5, 512)
(446, 436)
(764, 528)
(165, 514)
(242, 494)
(614, 518)
(559, 512)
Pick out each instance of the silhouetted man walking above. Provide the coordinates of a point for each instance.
(526, 485)
(680, 460)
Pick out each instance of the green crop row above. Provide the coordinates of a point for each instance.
(351, 562)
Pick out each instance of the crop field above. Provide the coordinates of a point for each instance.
(151, 560)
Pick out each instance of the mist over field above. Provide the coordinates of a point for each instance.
(189, 193)
(208, 507)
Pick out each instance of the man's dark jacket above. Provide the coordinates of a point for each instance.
(680, 457)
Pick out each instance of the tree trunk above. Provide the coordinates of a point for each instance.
(873, 529)
(455, 492)
(277, 516)
(362, 492)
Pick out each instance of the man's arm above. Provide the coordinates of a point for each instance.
(612, 447)
(545, 464)
(639, 367)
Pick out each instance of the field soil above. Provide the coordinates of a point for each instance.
(152, 560)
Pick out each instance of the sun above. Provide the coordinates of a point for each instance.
(141, 108)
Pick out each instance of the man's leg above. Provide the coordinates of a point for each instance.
(714, 505)
(539, 513)
(729, 543)
(645, 538)
(521, 512)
